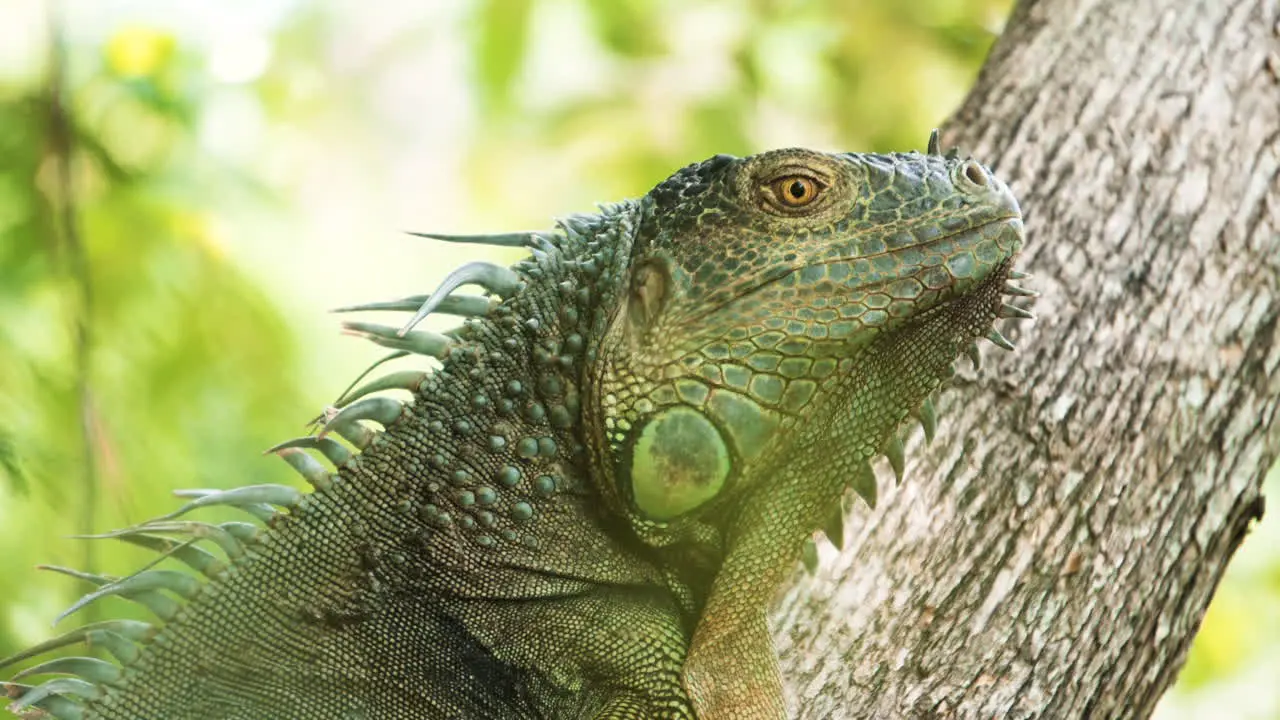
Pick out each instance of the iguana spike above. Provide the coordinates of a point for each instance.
(897, 455)
(308, 467)
(51, 704)
(863, 482)
(229, 536)
(117, 636)
(383, 410)
(151, 580)
(226, 536)
(1015, 312)
(384, 359)
(512, 239)
(242, 531)
(545, 242)
(419, 342)
(1018, 275)
(809, 555)
(162, 606)
(497, 279)
(975, 355)
(999, 340)
(94, 578)
(196, 558)
(928, 419)
(402, 380)
(574, 225)
(92, 669)
(59, 686)
(262, 511)
(353, 432)
(269, 494)
(833, 528)
(935, 144)
(1011, 289)
(460, 305)
(333, 450)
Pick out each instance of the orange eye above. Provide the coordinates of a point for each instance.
(795, 191)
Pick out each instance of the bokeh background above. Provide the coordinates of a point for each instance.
(186, 186)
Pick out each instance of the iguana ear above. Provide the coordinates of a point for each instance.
(650, 284)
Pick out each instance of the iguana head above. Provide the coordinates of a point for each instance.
(788, 302)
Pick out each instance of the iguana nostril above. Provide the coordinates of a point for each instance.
(976, 175)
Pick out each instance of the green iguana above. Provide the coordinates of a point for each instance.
(585, 511)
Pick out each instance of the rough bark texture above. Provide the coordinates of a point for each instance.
(1053, 552)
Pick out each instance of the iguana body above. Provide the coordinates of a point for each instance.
(586, 510)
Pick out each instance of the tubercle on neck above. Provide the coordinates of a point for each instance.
(500, 428)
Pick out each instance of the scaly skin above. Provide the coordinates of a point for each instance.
(585, 512)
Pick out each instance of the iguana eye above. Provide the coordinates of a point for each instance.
(795, 191)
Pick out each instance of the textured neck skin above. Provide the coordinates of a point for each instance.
(585, 511)
(410, 582)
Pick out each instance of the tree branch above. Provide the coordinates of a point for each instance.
(1054, 551)
(61, 148)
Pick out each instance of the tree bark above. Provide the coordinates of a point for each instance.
(1053, 552)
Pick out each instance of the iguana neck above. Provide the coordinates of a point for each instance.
(500, 434)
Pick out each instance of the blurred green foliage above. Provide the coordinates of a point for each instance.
(685, 80)
(191, 364)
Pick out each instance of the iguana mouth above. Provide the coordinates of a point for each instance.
(1006, 235)
(1007, 228)
(1012, 220)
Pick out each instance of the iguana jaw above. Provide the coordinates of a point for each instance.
(915, 339)
(839, 426)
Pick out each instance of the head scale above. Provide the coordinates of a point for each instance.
(786, 300)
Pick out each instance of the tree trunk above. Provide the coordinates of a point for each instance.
(1053, 552)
